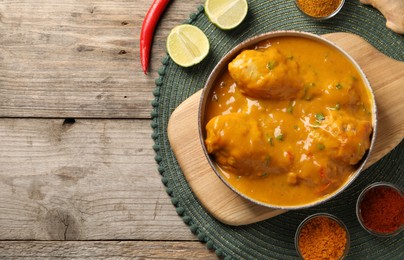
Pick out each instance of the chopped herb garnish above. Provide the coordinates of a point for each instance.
(339, 86)
(267, 160)
(295, 127)
(270, 140)
(320, 146)
(307, 95)
(278, 133)
(264, 174)
(279, 137)
(320, 116)
(271, 65)
(289, 109)
(290, 57)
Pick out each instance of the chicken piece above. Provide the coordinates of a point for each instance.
(343, 137)
(355, 141)
(321, 173)
(266, 74)
(392, 10)
(240, 147)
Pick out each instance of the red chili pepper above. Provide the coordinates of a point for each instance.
(146, 34)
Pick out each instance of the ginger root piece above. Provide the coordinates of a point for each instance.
(392, 10)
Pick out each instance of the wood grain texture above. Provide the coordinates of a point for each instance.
(386, 77)
(104, 250)
(83, 179)
(78, 58)
(87, 180)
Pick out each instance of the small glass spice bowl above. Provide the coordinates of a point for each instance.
(315, 9)
(366, 205)
(329, 228)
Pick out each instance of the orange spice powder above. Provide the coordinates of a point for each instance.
(318, 8)
(322, 238)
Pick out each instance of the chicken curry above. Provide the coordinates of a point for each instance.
(289, 121)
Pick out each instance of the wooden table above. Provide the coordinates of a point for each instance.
(77, 171)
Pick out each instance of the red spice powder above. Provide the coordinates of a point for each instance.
(382, 209)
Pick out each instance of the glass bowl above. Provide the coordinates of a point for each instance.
(316, 17)
(360, 209)
(319, 228)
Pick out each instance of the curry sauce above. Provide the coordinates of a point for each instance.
(289, 121)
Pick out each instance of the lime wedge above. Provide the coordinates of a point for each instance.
(226, 14)
(187, 45)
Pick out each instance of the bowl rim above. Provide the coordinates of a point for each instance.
(320, 18)
(248, 43)
(360, 199)
(329, 216)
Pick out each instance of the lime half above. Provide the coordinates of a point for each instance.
(226, 14)
(187, 45)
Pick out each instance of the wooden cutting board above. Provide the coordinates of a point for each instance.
(386, 77)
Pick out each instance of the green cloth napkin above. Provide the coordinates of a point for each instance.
(272, 238)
